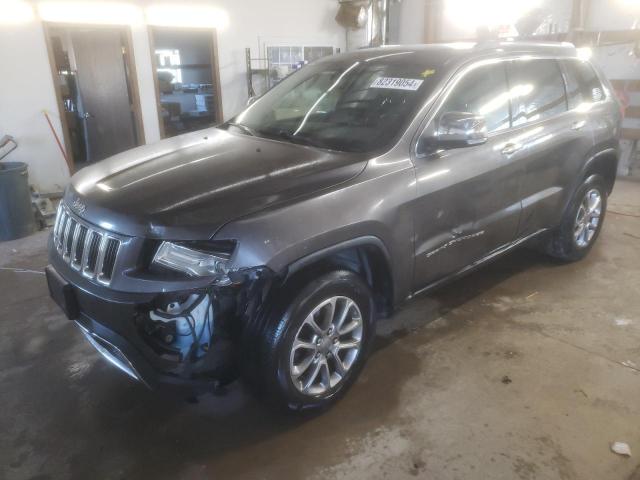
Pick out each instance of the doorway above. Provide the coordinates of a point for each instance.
(187, 81)
(94, 75)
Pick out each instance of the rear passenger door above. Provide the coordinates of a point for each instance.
(549, 140)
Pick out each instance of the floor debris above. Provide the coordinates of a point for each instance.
(506, 380)
(623, 214)
(621, 448)
(579, 390)
(622, 322)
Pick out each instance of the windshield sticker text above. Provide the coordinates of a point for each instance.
(397, 83)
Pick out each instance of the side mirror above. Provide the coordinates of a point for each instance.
(456, 130)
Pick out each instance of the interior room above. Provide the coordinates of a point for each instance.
(185, 71)
(320, 239)
(95, 86)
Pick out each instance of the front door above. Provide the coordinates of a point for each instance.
(104, 104)
(468, 199)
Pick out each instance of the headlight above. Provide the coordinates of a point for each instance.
(194, 261)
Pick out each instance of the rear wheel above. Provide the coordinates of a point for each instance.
(581, 223)
(317, 344)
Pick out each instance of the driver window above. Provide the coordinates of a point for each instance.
(482, 91)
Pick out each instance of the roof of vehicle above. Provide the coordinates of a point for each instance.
(449, 53)
(491, 46)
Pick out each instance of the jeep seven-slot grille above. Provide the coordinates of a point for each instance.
(86, 249)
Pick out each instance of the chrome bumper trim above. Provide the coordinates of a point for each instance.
(111, 353)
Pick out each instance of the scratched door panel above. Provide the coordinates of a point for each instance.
(468, 205)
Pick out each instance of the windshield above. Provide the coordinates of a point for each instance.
(359, 106)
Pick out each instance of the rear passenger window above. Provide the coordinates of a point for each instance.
(583, 85)
(483, 91)
(537, 90)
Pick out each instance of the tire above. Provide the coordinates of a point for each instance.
(279, 364)
(564, 244)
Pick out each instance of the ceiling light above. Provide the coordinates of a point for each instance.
(179, 15)
(103, 13)
(491, 13)
(15, 12)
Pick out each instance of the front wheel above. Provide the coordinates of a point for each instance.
(317, 344)
(581, 223)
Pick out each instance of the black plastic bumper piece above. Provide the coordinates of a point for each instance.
(110, 327)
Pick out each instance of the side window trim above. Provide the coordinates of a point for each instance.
(507, 69)
(433, 113)
(565, 82)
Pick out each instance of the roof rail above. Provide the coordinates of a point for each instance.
(528, 45)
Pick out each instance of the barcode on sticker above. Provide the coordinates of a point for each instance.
(397, 83)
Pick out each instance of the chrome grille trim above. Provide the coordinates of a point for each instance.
(84, 247)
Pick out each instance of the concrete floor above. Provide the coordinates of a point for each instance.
(523, 370)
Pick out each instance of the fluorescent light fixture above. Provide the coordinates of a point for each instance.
(103, 13)
(474, 13)
(179, 15)
(14, 12)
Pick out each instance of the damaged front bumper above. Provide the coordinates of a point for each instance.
(185, 340)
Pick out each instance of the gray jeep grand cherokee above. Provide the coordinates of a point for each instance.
(268, 247)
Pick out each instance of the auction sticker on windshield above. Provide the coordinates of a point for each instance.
(397, 83)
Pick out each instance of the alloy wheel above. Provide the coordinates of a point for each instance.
(326, 346)
(587, 218)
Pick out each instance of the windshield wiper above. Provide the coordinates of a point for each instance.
(288, 136)
(244, 128)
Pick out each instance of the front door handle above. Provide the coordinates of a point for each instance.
(510, 148)
(579, 125)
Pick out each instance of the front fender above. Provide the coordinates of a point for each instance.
(378, 210)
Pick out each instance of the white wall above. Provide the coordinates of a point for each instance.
(616, 61)
(26, 87)
(256, 23)
(613, 15)
(410, 27)
(459, 23)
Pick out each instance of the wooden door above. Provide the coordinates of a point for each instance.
(104, 94)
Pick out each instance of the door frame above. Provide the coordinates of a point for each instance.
(132, 80)
(215, 69)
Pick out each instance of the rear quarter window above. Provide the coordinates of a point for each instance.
(537, 90)
(583, 84)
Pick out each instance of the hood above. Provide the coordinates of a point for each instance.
(187, 187)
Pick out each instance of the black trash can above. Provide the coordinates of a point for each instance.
(16, 215)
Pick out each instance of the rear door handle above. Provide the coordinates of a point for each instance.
(579, 125)
(510, 148)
